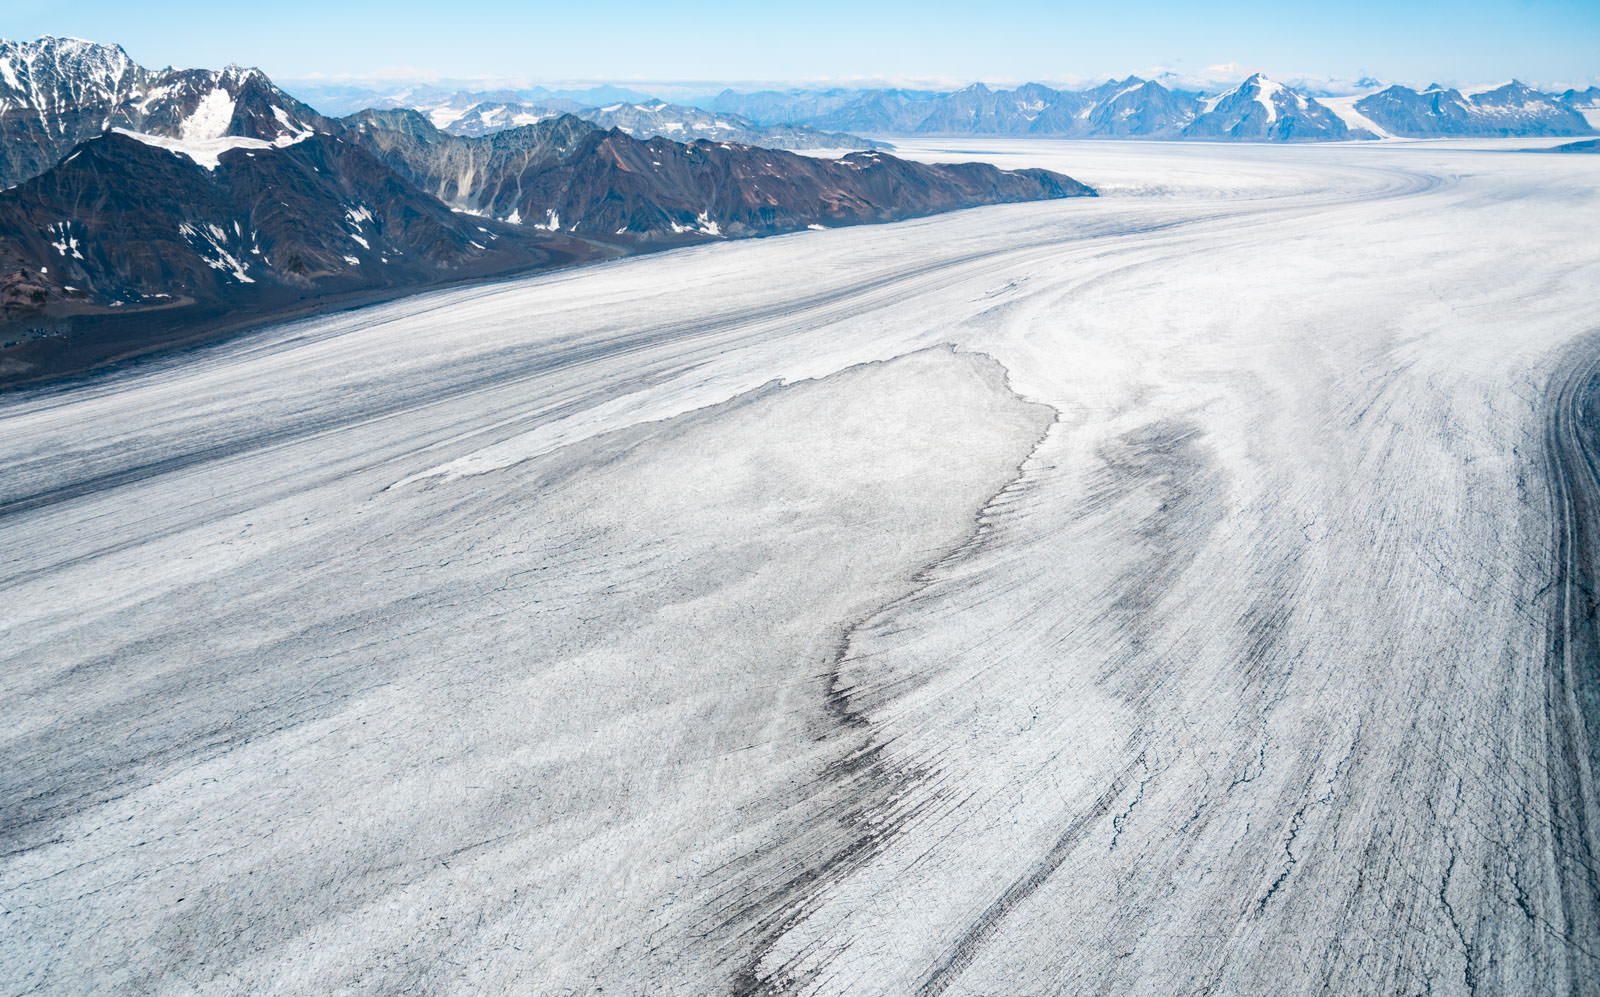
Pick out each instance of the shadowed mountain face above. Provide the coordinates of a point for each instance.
(571, 176)
(125, 245)
(130, 222)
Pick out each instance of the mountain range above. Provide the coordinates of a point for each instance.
(1512, 110)
(466, 114)
(337, 99)
(1257, 109)
(146, 208)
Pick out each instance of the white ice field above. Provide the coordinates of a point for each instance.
(1150, 594)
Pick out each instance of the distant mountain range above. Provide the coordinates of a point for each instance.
(144, 208)
(1258, 109)
(1512, 110)
(341, 99)
(461, 114)
(483, 112)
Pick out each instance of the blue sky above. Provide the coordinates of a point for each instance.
(1548, 42)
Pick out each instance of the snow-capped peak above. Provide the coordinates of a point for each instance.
(57, 92)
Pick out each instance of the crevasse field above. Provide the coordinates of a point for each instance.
(1184, 591)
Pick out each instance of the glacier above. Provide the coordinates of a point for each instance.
(1164, 592)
